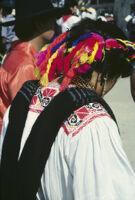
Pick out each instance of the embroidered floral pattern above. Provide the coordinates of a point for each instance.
(43, 97)
(81, 117)
(76, 120)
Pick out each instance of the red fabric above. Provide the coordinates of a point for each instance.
(19, 66)
(66, 17)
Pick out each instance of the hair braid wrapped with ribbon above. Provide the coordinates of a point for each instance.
(111, 57)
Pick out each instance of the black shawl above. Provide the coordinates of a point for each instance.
(20, 179)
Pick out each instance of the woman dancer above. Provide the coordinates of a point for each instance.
(61, 139)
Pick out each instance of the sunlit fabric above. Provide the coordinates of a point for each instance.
(18, 67)
(86, 160)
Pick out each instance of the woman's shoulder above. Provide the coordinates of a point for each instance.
(43, 97)
(84, 116)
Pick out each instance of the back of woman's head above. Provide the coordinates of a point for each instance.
(105, 29)
(29, 28)
(89, 46)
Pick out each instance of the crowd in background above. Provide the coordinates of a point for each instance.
(7, 32)
(59, 137)
(78, 12)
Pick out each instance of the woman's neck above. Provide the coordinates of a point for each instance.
(38, 43)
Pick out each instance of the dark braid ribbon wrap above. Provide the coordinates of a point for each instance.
(20, 179)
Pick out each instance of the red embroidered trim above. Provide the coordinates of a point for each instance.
(82, 117)
(42, 98)
(89, 121)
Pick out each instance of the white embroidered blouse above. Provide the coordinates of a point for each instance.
(87, 161)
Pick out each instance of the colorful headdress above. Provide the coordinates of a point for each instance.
(58, 60)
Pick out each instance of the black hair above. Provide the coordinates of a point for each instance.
(105, 29)
(27, 29)
(115, 63)
(6, 11)
(71, 3)
(132, 6)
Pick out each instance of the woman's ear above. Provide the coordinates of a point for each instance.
(100, 86)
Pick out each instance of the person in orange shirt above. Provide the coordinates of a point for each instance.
(35, 26)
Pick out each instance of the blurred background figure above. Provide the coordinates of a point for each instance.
(130, 19)
(89, 13)
(101, 17)
(1, 50)
(7, 30)
(83, 3)
(132, 82)
(58, 3)
(66, 22)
